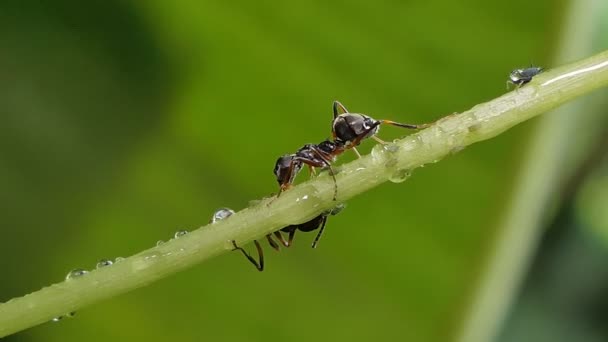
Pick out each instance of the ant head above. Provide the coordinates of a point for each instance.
(336, 210)
(286, 168)
(350, 127)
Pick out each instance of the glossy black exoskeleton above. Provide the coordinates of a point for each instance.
(519, 77)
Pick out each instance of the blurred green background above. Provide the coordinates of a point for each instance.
(125, 121)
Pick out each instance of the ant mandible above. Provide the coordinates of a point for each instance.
(349, 129)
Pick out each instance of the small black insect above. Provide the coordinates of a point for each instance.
(314, 224)
(519, 77)
(313, 155)
(350, 128)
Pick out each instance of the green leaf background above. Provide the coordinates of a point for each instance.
(123, 122)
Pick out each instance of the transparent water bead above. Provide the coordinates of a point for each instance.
(400, 175)
(221, 214)
(180, 233)
(79, 272)
(103, 263)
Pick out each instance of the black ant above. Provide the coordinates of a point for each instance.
(519, 77)
(313, 224)
(309, 226)
(349, 129)
(313, 155)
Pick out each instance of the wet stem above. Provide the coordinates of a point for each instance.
(392, 162)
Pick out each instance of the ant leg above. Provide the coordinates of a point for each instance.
(356, 152)
(281, 239)
(316, 241)
(333, 175)
(291, 235)
(259, 265)
(272, 243)
(379, 140)
(313, 171)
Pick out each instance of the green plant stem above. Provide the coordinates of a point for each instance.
(394, 161)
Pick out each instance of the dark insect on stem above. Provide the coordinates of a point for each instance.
(316, 223)
(519, 77)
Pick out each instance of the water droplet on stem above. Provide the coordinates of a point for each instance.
(103, 263)
(400, 175)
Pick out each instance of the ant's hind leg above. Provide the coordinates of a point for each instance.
(259, 264)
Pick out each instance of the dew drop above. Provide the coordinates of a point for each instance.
(180, 233)
(160, 242)
(400, 175)
(103, 263)
(221, 214)
(76, 273)
(377, 152)
(57, 319)
(118, 259)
